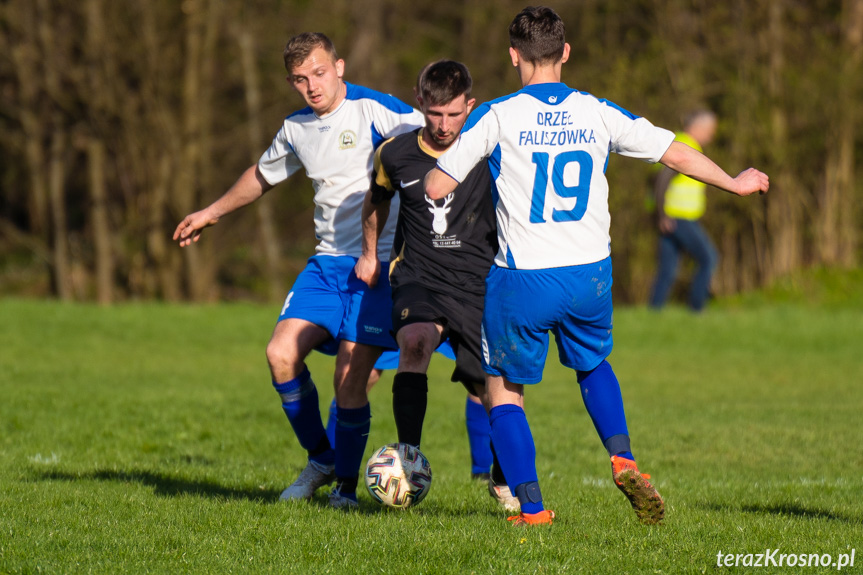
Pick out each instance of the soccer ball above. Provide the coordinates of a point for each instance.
(398, 475)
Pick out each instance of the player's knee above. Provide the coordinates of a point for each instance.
(281, 357)
(272, 353)
(415, 347)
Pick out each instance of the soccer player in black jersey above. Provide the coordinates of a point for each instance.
(441, 255)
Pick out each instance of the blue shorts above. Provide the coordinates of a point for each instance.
(522, 306)
(328, 294)
(389, 359)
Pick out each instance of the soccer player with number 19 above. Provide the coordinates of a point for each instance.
(548, 146)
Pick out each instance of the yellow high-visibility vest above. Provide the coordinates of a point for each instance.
(685, 198)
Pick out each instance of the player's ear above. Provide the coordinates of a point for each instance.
(513, 54)
(470, 104)
(340, 68)
(565, 55)
(419, 99)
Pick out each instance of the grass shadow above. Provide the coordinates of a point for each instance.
(427, 508)
(165, 485)
(785, 510)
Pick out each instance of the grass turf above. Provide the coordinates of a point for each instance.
(146, 438)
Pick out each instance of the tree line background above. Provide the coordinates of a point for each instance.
(119, 117)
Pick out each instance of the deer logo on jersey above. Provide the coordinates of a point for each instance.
(439, 224)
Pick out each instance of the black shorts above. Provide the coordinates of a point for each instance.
(461, 319)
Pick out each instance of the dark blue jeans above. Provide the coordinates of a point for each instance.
(691, 238)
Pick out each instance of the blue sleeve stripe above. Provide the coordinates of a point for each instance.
(304, 112)
(510, 261)
(476, 116)
(494, 162)
(611, 104)
(484, 109)
(623, 111)
(386, 100)
(495, 195)
(377, 138)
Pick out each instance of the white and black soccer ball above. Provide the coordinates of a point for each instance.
(398, 475)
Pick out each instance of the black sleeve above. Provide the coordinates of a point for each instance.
(381, 187)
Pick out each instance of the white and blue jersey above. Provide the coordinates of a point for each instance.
(548, 146)
(337, 152)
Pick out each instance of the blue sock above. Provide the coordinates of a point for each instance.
(300, 403)
(352, 432)
(479, 436)
(516, 453)
(331, 424)
(604, 403)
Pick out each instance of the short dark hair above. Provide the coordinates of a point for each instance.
(538, 33)
(300, 46)
(443, 81)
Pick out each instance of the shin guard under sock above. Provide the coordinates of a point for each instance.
(352, 432)
(331, 424)
(410, 397)
(514, 446)
(479, 437)
(300, 404)
(600, 391)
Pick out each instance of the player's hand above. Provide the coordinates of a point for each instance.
(368, 269)
(189, 230)
(750, 181)
(666, 225)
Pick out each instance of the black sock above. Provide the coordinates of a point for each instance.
(322, 446)
(348, 485)
(410, 397)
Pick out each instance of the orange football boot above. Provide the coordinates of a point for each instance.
(644, 498)
(544, 517)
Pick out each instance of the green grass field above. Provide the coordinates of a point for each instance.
(146, 438)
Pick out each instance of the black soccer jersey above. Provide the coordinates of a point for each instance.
(447, 245)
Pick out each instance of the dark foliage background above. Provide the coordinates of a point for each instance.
(118, 118)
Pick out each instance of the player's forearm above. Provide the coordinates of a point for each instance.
(690, 162)
(438, 184)
(374, 218)
(250, 186)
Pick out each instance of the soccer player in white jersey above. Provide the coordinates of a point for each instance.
(548, 147)
(328, 308)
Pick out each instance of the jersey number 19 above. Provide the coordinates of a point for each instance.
(580, 191)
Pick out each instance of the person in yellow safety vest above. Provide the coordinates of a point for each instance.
(680, 203)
